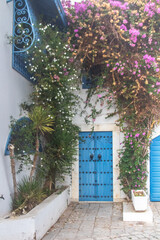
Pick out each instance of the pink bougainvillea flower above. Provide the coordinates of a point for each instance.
(144, 36)
(150, 40)
(140, 24)
(150, 8)
(71, 59)
(123, 27)
(132, 45)
(99, 95)
(137, 135)
(157, 69)
(102, 38)
(77, 35)
(149, 59)
(80, 7)
(89, 11)
(107, 65)
(56, 77)
(143, 133)
(125, 21)
(75, 30)
(66, 73)
(118, 4)
(134, 33)
(157, 83)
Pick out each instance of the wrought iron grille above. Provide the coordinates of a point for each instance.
(24, 36)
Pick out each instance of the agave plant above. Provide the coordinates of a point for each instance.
(42, 123)
(30, 193)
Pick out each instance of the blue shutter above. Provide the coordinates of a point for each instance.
(155, 169)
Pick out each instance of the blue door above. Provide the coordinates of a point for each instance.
(95, 166)
(155, 169)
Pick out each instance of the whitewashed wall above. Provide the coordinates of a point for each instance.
(14, 89)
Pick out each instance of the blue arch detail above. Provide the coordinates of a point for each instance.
(6, 152)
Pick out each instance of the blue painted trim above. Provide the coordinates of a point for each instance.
(9, 1)
(155, 169)
(6, 152)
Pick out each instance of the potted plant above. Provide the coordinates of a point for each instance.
(139, 199)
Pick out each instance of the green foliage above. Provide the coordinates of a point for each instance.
(23, 138)
(56, 89)
(30, 193)
(133, 163)
(41, 119)
(59, 153)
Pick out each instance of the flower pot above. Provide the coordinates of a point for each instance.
(139, 199)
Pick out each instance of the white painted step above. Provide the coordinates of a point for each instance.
(130, 215)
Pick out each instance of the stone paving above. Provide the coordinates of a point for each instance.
(102, 221)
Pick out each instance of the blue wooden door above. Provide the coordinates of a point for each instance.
(95, 166)
(155, 169)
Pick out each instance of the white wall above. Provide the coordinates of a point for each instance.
(14, 89)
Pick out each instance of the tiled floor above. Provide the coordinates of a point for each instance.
(102, 221)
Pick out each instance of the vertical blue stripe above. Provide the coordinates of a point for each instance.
(155, 170)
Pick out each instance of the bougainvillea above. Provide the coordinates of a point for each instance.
(119, 41)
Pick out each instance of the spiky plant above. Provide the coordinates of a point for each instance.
(42, 123)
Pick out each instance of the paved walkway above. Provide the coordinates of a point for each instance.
(94, 221)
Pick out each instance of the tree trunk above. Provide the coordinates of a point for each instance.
(11, 152)
(35, 158)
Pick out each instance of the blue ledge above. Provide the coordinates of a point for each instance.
(8, 1)
(49, 10)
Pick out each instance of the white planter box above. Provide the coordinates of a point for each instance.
(139, 202)
(36, 223)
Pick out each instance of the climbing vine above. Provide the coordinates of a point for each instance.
(117, 44)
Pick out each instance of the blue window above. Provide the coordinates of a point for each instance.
(86, 82)
(90, 78)
(26, 14)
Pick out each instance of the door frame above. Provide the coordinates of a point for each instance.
(110, 127)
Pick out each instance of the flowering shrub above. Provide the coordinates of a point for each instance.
(120, 41)
(51, 64)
